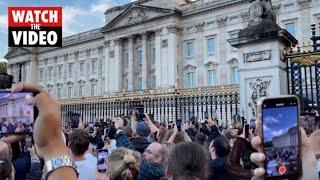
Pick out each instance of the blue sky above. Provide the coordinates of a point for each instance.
(78, 15)
(277, 121)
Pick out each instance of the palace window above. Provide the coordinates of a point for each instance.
(288, 6)
(233, 19)
(234, 75)
(81, 68)
(139, 83)
(41, 74)
(291, 28)
(126, 85)
(211, 45)
(94, 66)
(60, 71)
(212, 77)
(70, 69)
(189, 49)
(154, 82)
(93, 89)
(153, 55)
(59, 93)
(80, 90)
(190, 83)
(126, 58)
(70, 92)
(50, 73)
(139, 57)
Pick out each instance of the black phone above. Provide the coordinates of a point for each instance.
(281, 136)
(246, 131)
(27, 143)
(178, 124)
(206, 116)
(17, 113)
(102, 155)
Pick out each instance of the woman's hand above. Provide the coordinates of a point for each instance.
(307, 156)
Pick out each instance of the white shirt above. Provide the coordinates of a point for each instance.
(87, 168)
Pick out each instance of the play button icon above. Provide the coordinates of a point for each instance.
(282, 170)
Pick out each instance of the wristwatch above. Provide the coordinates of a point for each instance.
(58, 162)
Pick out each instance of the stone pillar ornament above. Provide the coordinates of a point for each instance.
(261, 10)
(260, 47)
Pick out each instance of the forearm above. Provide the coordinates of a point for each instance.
(133, 126)
(11, 139)
(186, 137)
(63, 173)
(153, 128)
(172, 137)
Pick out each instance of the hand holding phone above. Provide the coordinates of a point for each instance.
(280, 134)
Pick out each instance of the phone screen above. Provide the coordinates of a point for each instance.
(281, 137)
(101, 160)
(17, 114)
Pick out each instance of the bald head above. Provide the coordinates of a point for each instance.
(155, 153)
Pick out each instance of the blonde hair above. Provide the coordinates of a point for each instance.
(123, 164)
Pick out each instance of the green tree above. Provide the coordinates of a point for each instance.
(3, 67)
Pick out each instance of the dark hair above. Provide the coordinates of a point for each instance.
(187, 161)
(6, 168)
(112, 132)
(221, 146)
(79, 141)
(201, 138)
(123, 164)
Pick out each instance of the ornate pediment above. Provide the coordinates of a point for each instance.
(17, 51)
(136, 14)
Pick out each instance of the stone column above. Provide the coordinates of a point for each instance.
(33, 71)
(117, 66)
(172, 59)
(199, 56)
(130, 65)
(222, 74)
(107, 74)
(158, 58)
(144, 62)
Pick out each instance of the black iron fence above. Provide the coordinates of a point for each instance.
(304, 72)
(221, 102)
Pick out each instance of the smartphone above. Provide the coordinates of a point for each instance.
(279, 118)
(178, 124)
(17, 114)
(27, 143)
(246, 131)
(102, 155)
(253, 125)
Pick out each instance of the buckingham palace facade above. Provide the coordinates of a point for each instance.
(153, 44)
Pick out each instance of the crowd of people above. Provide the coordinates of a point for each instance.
(142, 148)
(16, 125)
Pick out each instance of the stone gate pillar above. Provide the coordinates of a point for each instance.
(262, 69)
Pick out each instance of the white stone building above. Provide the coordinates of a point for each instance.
(151, 44)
